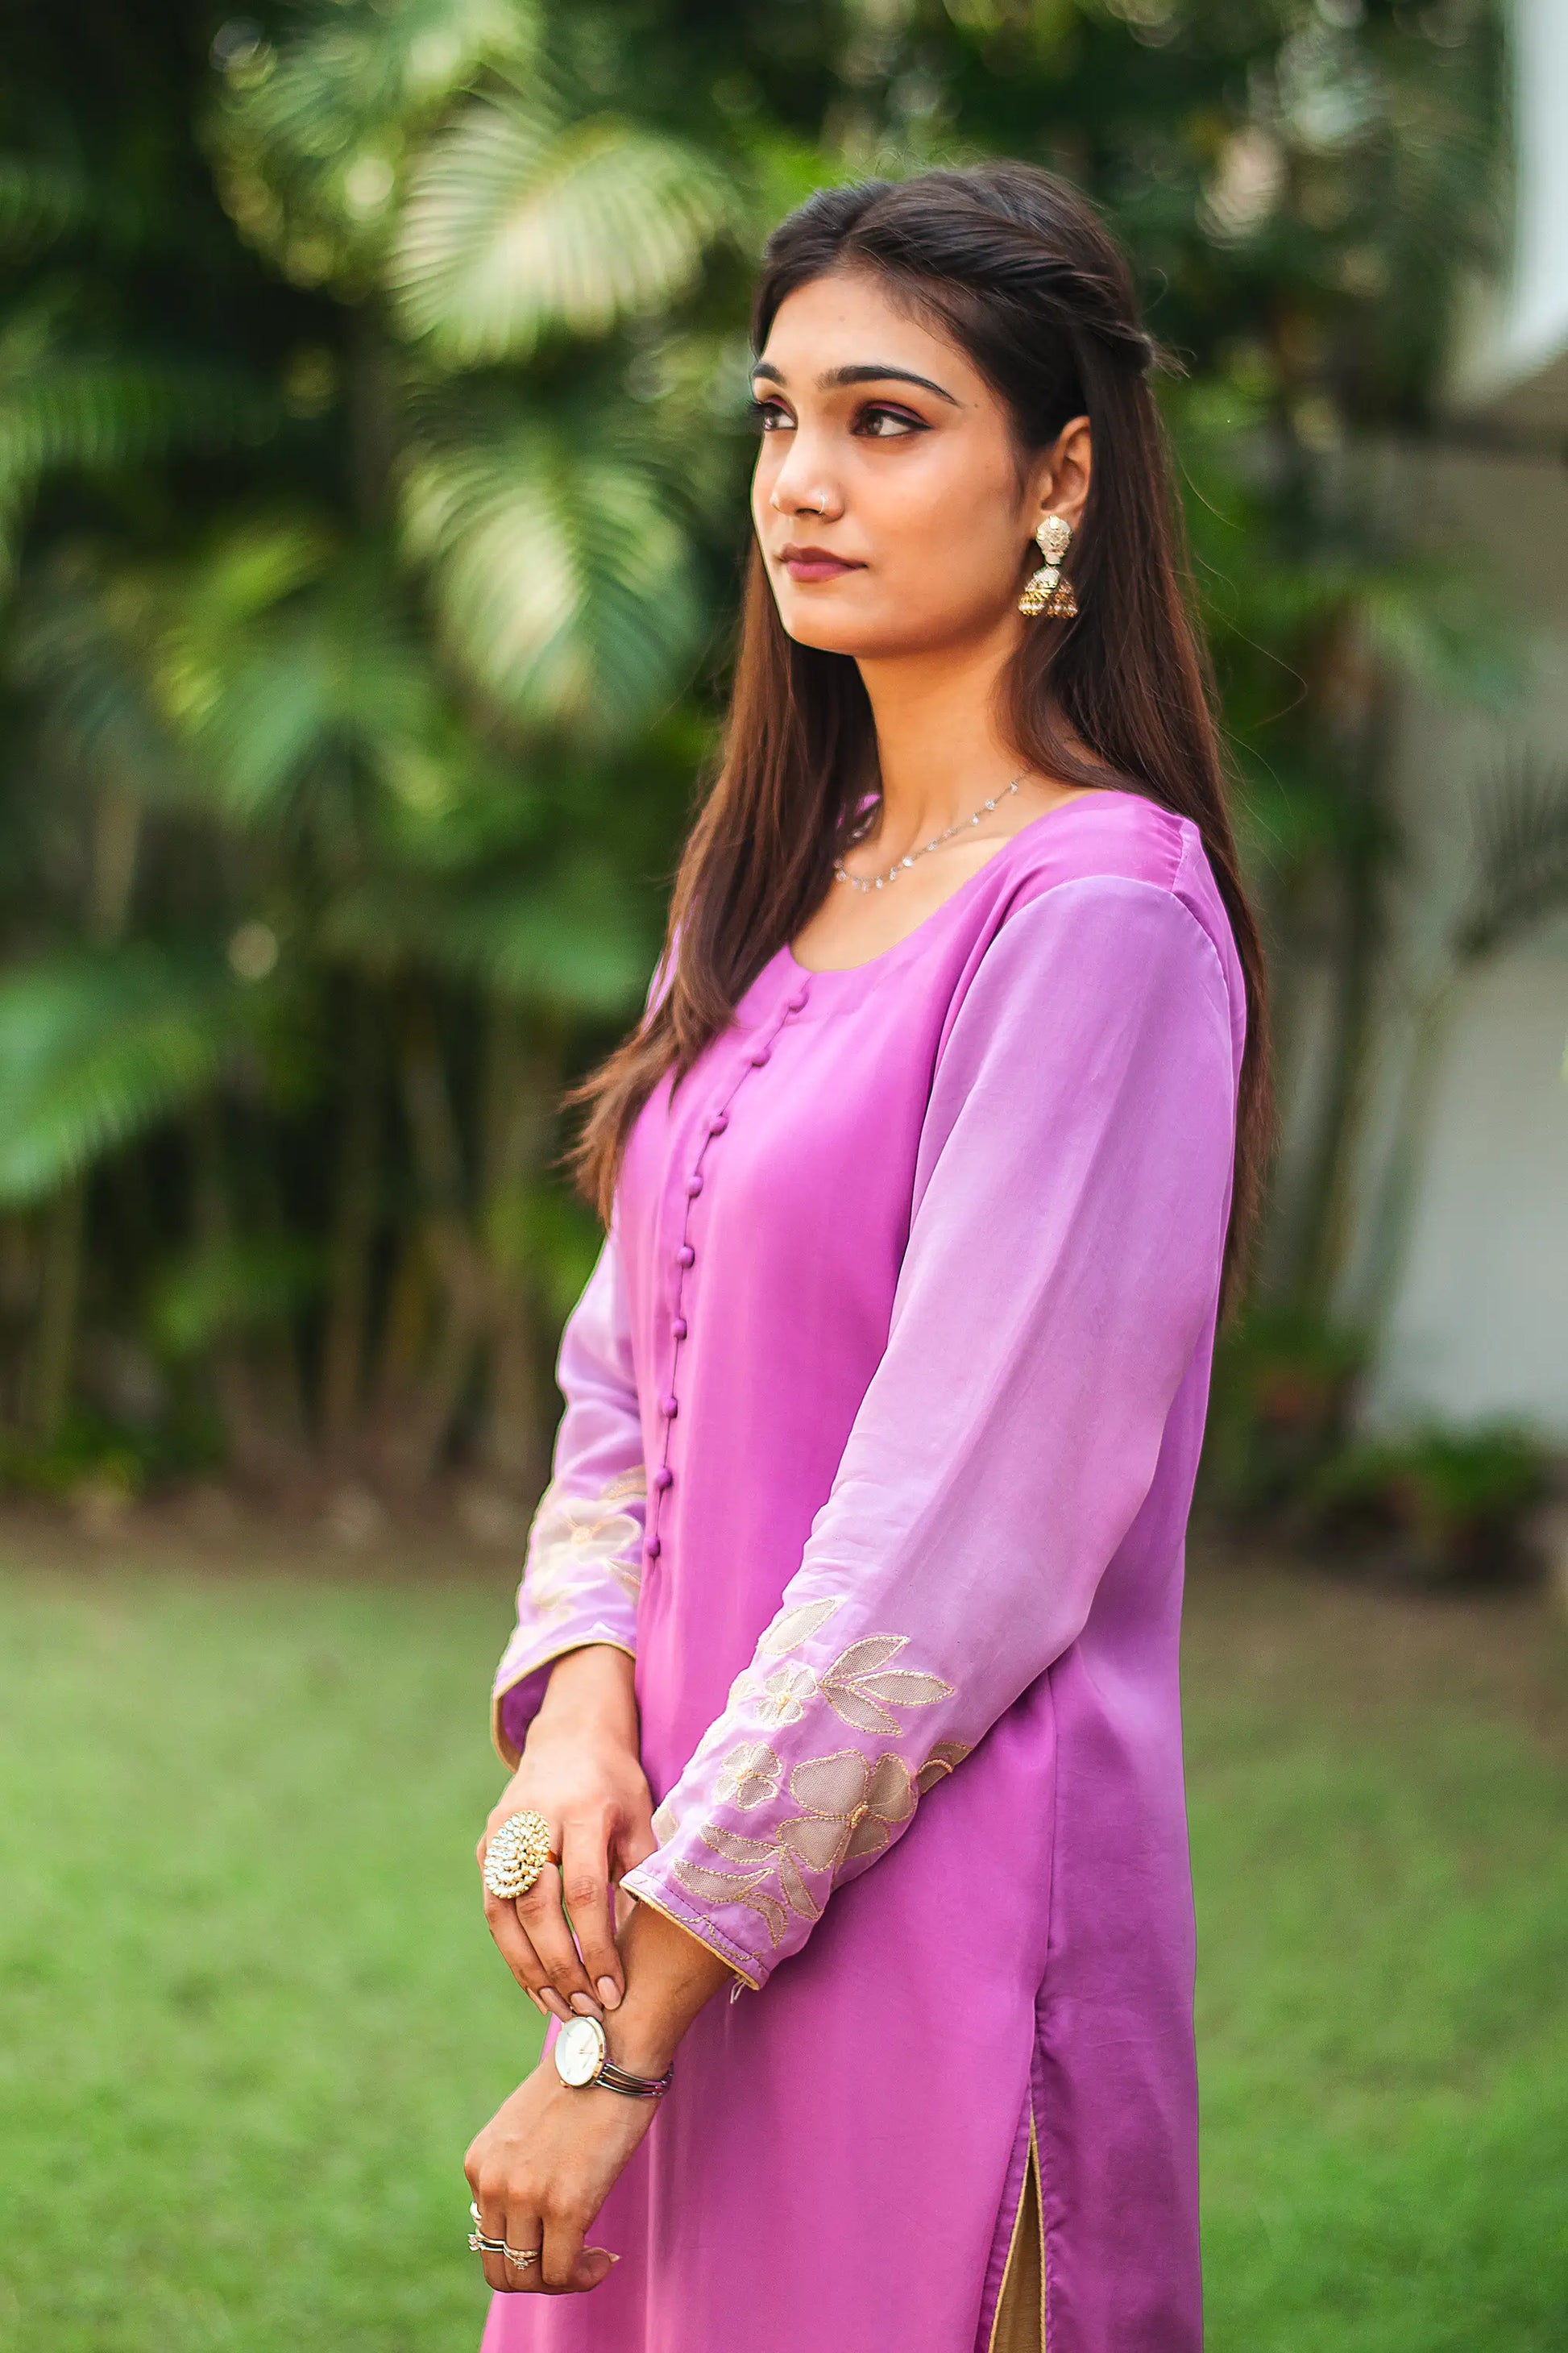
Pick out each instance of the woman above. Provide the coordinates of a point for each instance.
(862, 1555)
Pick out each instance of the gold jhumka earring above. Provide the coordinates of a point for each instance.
(1047, 592)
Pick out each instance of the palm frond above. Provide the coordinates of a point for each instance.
(78, 648)
(95, 1050)
(293, 676)
(70, 413)
(1519, 827)
(563, 578)
(517, 224)
(313, 136)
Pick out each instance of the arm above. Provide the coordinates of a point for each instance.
(1070, 1208)
(582, 1568)
(565, 1713)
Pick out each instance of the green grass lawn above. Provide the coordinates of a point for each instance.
(250, 2015)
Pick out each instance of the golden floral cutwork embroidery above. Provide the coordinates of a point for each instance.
(862, 1685)
(864, 1690)
(796, 1626)
(778, 1698)
(750, 1776)
(851, 1803)
(576, 1540)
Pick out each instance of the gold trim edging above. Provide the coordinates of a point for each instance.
(1008, 2314)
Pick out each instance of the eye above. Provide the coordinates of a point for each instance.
(766, 415)
(878, 422)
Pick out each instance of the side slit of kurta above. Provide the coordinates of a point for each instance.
(1019, 2326)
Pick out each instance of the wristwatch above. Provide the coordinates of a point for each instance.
(583, 2058)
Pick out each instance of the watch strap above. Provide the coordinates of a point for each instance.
(636, 2087)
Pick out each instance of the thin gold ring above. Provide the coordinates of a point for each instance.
(479, 2245)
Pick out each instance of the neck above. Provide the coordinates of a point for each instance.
(940, 747)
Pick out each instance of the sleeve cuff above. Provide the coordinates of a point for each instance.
(746, 1966)
(520, 1690)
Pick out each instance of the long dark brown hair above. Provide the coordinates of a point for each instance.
(1012, 263)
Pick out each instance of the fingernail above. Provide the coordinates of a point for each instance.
(610, 1993)
(553, 2003)
(535, 2000)
(584, 2005)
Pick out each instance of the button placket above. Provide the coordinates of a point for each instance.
(663, 1479)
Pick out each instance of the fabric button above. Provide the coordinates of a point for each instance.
(686, 1255)
(670, 1407)
(718, 1122)
(664, 1478)
(653, 1548)
(679, 1328)
(797, 1000)
(758, 1055)
(693, 1186)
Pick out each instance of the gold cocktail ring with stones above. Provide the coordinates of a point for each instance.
(517, 1855)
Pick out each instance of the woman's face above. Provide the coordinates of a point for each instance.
(886, 498)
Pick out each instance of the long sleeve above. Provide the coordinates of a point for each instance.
(1072, 1190)
(584, 1563)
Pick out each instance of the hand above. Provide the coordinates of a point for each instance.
(581, 1770)
(547, 2161)
(542, 2168)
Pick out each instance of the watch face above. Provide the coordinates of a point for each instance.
(579, 2049)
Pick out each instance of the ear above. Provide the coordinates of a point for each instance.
(1060, 481)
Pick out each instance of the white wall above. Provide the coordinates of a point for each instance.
(1479, 1323)
(1520, 327)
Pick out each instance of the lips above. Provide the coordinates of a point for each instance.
(807, 563)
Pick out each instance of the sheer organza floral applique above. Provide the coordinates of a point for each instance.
(851, 1803)
(576, 1540)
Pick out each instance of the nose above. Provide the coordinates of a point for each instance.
(802, 485)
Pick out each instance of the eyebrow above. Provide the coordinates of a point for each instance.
(865, 372)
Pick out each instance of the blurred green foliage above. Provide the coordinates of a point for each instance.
(1285, 1459)
(372, 487)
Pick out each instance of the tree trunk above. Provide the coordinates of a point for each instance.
(1365, 854)
(112, 850)
(521, 1083)
(1393, 1214)
(262, 1447)
(449, 1245)
(344, 1340)
(58, 1313)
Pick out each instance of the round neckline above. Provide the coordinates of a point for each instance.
(812, 976)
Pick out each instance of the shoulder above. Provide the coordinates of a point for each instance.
(1119, 863)
(1103, 918)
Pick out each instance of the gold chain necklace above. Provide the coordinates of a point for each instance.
(878, 882)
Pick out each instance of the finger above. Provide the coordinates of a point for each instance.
(635, 1845)
(563, 2252)
(523, 2235)
(585, 1883)
(517, 1952)
(593, 2265)
(490, 2199)
(545, 1923)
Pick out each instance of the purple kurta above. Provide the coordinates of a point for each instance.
(883, 1408)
